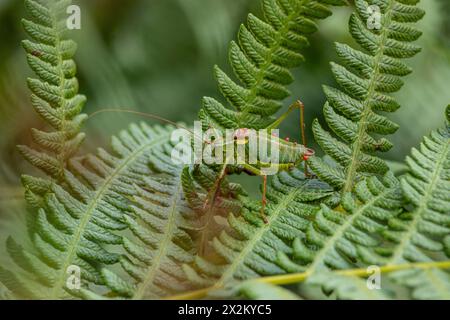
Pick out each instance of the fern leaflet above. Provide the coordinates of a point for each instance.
(249, 249)
(262, 59)
(162, 240)
(75, 221)
(335, 239)
(55, 93)
(418, 236)
(365, 79)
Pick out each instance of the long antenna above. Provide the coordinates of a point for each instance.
(142, 114)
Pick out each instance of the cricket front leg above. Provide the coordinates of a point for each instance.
(212, 194)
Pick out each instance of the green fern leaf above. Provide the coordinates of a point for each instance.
(249, 249)
(419, 235)
(261, 60)
(335, 239)
(162, 240)
(168, 230)
(55, 91)
(197, 185)
(366, 78)
(76, 221)
(346, 287)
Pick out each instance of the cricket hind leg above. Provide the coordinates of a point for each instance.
(257, 172)
(264, 201)
(301, 107)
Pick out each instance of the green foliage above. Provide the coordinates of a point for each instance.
(346, 287)
(55, 92)
(197, 186)
(162, 240)
(261, 60)
(338, 239)
(140, 226)
(365, 80)
(255, 290)
(419, 235)
(74, 222)
(427, 188)
(249, 249)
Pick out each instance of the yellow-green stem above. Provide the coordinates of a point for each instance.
(300, 277)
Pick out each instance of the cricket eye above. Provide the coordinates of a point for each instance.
(309, 152)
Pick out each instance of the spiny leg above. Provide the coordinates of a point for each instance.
(303, 134)
(264, 201)
(301, 106)
(296, 105)
(252, 170)
(212, 194)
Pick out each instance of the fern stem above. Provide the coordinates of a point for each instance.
(301, 277)
(361, 272)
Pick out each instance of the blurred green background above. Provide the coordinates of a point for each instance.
(157, 56)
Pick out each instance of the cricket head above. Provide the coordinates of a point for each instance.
(303, 153)
(308, 153)
(241, 136)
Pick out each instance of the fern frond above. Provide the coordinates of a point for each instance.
(366, 78)
(162, 240)
(419, 235)
(261, 60)
(249, 249)
(223, 200)
(427, 187)
(76, 221)
(336, 237)
(55, 90)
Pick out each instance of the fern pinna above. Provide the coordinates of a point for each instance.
(162, 231)
(55, 93)
(365, 79)
(336, 237)
(420, 235)
(250, 249)
(85, 204)
(261, 60)
(76, 220)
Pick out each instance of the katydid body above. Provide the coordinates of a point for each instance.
(290, 155)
